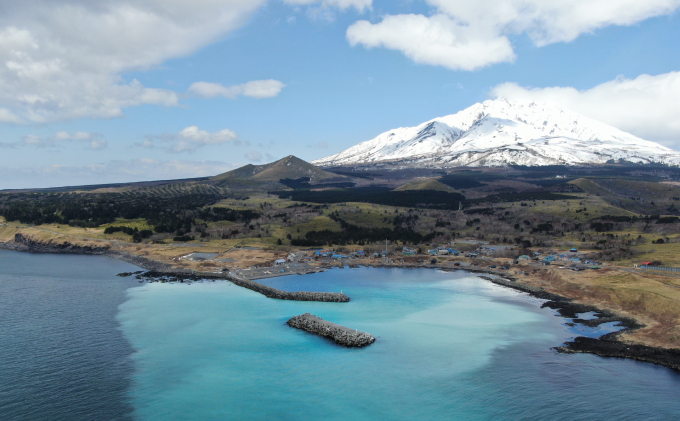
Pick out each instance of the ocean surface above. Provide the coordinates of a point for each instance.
(77, 342)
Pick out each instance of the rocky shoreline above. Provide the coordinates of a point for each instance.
(340, 334)
(165, 272)
(267, 291)
(606, 346)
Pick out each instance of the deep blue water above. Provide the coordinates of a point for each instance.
(62, 355)
(79, 343)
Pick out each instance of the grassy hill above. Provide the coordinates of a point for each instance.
(426, 184)
(288, 167)
(642, 197)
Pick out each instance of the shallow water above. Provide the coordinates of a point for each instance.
(80, 343)
(449, 346)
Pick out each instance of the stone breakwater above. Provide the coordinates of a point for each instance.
(269, 292)
(166, 272)
(340, 334)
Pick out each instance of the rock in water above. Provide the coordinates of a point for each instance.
(340, 334)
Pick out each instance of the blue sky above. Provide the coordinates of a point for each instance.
(105, 91)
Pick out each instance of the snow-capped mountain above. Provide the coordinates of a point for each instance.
(500, 132)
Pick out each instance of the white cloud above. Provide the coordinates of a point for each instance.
(95, 141)
(254, 156)
(6, 116)
(254, 89)
(192, 138)
(64, 60)
(436, 40)
(647, 106)
(467, 35)
(360, 5)
(119, 171)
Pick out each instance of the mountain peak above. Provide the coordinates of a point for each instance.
(500, 133)
(288, 167)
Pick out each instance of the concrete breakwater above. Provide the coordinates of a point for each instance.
(340, 334)
(163, 270)
(269, 292)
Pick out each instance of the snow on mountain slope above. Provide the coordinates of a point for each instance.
(498, 133)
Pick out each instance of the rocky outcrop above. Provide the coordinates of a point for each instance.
(340, 334)
(608, 346)
(24, 243)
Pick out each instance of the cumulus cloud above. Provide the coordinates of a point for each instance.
(465, 35)
(64, 60)
(118, 171)
(6, 116)
(647, 106)
(360, 5)
(94, 141)
(436, 40)
(191, 138)
(254, 89)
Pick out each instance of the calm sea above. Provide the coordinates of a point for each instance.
(77, 342)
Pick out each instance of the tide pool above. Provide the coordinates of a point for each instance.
(449, 346)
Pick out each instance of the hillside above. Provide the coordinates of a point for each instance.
(288, 167)
(502, 133)
(426, 184)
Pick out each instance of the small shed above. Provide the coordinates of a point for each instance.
(524, 257)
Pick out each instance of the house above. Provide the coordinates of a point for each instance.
(443, 251)
(433, 252)
(361, 253)
(279, 262)
(453, 252)
(524, 257)
(409, 253)
(573, 250)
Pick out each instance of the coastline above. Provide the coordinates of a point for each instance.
(609, 345)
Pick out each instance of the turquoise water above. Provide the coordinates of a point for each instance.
(449, 346)
(79, 343)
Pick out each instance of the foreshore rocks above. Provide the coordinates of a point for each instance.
(340, 334)
(23, 243)
(166, 272)
(607, 347)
